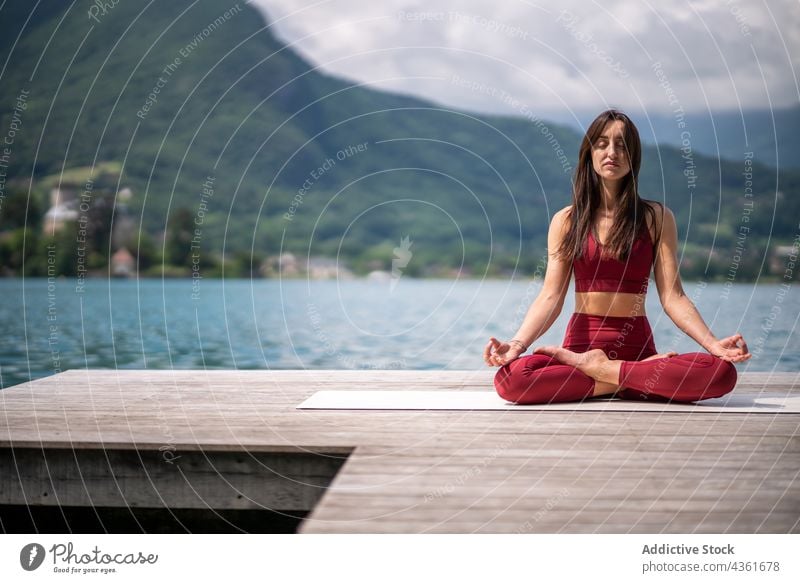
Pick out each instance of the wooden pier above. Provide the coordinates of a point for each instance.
(234, 440)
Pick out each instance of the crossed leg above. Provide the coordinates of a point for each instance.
(555, 374)
(611, 385)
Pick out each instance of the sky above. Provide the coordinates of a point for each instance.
(562, 62)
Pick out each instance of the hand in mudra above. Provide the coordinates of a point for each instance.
(498, 353)
(733, 349)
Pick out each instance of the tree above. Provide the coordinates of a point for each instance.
(180, 230)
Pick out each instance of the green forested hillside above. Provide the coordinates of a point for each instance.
(185, 94)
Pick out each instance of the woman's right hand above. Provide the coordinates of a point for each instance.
(499, 353)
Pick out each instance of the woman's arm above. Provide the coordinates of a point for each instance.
(677, 304)
(546, 308)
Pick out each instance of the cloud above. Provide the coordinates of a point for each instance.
(715, 54)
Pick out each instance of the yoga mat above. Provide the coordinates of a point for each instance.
(444, 400)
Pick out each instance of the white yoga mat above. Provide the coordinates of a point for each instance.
(489, 401)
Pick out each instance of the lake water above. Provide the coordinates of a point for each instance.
(348, 324)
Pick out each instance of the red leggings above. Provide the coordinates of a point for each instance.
(539, 378)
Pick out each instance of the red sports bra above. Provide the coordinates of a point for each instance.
(595, 274)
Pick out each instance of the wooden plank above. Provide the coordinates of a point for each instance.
(562, 523)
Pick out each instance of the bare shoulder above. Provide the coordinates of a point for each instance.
(559, 224)
(663, 216)
(562, 215)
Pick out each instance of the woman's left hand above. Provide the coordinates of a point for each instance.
(733, 349)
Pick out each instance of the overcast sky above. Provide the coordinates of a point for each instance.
(559, 62)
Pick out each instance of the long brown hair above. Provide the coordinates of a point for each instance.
(629, 216)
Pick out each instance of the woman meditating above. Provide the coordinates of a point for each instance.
(611, 238)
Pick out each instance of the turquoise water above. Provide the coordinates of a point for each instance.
(350, 324)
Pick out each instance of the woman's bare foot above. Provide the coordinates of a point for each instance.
(593, 363)
(601, 388)
(579, 360)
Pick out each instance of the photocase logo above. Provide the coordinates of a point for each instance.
(402, 255)
(31, 556)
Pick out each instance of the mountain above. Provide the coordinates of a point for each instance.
(206, 111)
(772, 135)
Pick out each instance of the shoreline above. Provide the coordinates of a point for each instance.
(763, 280)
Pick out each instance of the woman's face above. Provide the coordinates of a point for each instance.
(609, 158)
